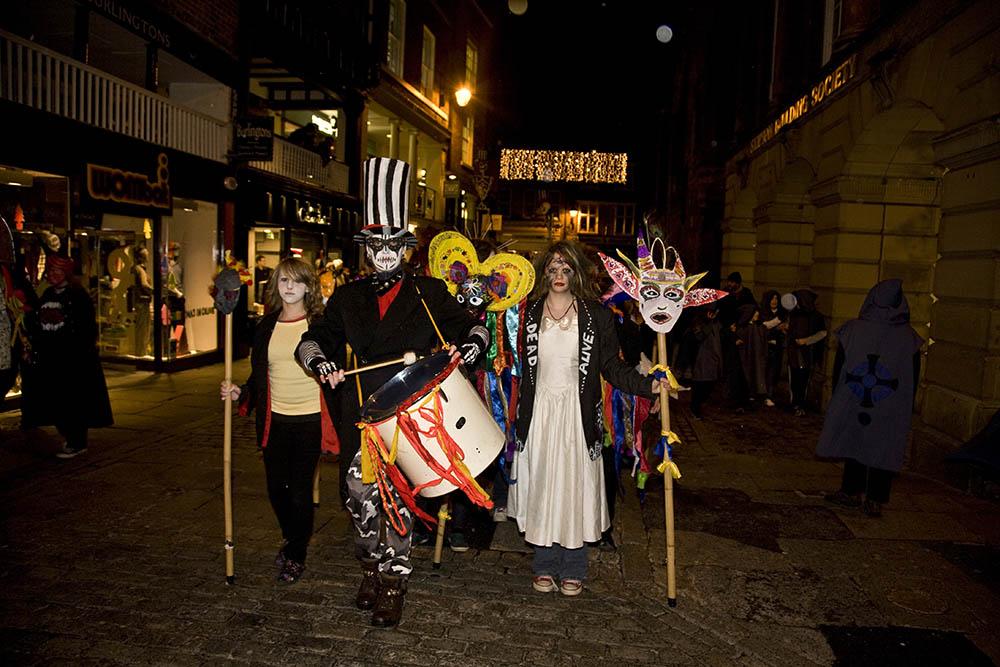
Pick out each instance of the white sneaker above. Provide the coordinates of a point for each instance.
(768, 402)
(500, 514)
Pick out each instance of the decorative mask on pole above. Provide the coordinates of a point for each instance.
(495, 284)
(226, 286)
(662, 293)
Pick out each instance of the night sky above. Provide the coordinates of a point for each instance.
(586, 74)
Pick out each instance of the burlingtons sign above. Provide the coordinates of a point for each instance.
(126, 187)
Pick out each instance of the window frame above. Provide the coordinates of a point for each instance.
(468, 139)
(471, 64)
(396, 67)
(427, 70)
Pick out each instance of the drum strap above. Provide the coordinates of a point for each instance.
(444, 343)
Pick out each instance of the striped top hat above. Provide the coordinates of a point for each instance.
(387, 200)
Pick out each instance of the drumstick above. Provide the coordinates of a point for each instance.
(408, 359)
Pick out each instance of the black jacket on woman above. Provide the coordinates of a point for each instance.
(256, 391)
(598, 342)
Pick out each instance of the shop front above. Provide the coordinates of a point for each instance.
(278, 220)
(141, 222)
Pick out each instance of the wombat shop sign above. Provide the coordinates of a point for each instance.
(132, 189)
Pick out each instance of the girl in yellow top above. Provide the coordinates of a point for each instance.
(292, 422)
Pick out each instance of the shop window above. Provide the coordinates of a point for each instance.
(116, 50)
(427, 66)
(397, 29)
(468, 134)
(471, 64)
(191, 88)
(190, 255)
(264, 246)
(50, 23)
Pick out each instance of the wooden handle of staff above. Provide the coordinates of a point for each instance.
(668, 479)
(382, 364)
(227, 452)
(443, 516)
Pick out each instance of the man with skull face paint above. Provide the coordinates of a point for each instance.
(381, 318)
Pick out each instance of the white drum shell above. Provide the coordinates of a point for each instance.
(468, 422)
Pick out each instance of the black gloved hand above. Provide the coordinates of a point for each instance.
(322, 367)
(470, 349)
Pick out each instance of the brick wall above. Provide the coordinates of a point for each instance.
(216, 21)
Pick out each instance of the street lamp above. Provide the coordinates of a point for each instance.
(462, 96)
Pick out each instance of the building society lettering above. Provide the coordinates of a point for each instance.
(808, 102)
(126, 187)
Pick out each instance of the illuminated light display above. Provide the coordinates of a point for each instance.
(549, 165)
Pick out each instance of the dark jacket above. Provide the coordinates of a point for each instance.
(352, 317)
(803, 322)
(598, 356)
(65, 381)
(256, 391)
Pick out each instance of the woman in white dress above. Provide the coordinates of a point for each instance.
(569, 342)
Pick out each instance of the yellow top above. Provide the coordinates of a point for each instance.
(294, 391)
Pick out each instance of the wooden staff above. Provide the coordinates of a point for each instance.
(407, 359)
(443, 516)
(227, 451)
(668, 478)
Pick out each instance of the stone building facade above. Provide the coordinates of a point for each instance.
(886, 166)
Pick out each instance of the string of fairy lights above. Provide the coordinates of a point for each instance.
(550, 165)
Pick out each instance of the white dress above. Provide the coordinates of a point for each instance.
(559, 496)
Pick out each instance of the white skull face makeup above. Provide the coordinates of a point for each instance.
(662, 293)
(385, 254)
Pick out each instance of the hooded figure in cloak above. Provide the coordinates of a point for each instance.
(381, 318)
(875, 383)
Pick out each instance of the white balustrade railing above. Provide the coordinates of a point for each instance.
(304, 165)
(48, 81)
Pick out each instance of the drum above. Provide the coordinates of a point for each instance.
(438, 405)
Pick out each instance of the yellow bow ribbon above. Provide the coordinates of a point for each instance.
(675, 472)
(671, 380)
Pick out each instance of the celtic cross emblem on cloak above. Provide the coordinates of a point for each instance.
(871, 382)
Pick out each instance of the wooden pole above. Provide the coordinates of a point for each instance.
(443, 516)
(227, 452)
(668, 478)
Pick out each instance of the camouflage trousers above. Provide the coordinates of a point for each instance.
(365, 506)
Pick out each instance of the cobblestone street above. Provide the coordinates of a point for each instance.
(115, 557)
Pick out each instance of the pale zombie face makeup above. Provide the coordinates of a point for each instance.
(290, 290)
(660, 302)
(386, 255)
(559, 274)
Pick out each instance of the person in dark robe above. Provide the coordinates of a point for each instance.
(65, 386)
(729, 314)
(806, 329)
(704, 341)
(875, 383)
(751, 345)
(775, 320)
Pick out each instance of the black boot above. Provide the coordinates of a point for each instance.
(389, 608)
(369, 591)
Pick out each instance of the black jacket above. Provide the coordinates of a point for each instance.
(352, 317)
(598, 342)
(255, 394)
